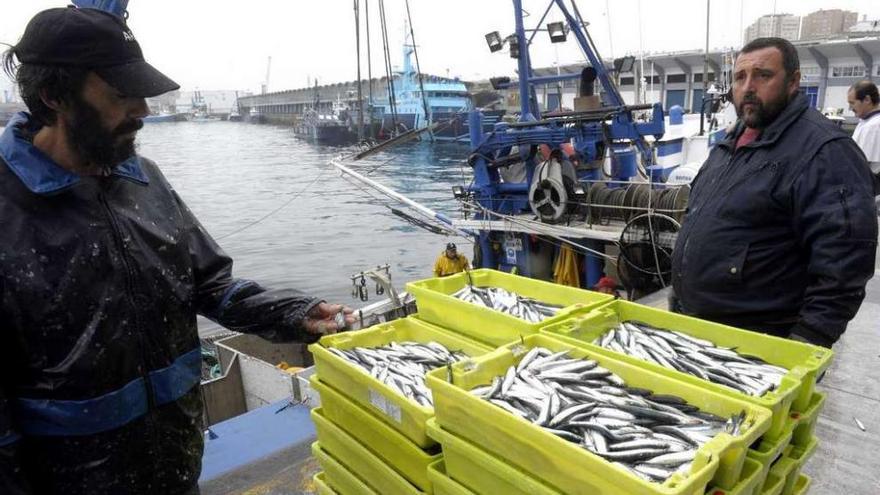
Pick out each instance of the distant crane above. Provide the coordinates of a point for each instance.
(265, 86)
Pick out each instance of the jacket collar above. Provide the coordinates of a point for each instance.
(796, 107)
(871, 115)
(37, 171)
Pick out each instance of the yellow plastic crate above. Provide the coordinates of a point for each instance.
(359, 460)
(337, 476)
(798, 455)
(481, 471)
(436, 304)
(778, 475)
(321, 486)
(400, 413)
(390, 445)
(444, 485)
(774, 484)
(802, 485)
(804, 423)
(750, 481)
(805, 362)
(563, 464)
(767, 452)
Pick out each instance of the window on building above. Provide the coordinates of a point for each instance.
(698, 77)
(810, 71)
(848, 71)
(676, 78)
(626, 81)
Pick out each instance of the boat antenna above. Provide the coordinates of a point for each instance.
(412, 36)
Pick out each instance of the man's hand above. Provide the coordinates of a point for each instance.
(323, 320)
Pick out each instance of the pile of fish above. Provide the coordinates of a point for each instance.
(651, 435)
(402, 365)
(508, 302)
(748, 374)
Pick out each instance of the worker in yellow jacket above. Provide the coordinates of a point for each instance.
(450, 262)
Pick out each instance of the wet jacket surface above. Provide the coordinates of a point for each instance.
(780, 234)
(101, 279)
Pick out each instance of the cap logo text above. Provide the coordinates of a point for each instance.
(127, 36)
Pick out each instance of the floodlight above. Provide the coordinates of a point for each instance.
(499, 83)
(513, 42)
(557, 32)
(493, 39)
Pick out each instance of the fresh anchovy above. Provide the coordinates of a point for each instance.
(651, 435)
(694, 356)
(511, 303)
(403, 365)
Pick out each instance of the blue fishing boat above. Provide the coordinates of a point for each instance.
(446, 102)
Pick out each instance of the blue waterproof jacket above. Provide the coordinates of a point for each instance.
(101, 279)
(780, 235)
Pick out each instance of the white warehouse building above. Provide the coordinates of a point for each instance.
(828, 69)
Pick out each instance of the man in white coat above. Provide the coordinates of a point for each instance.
(864, 101)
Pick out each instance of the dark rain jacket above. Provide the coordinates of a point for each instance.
(101, 279)
(780, 234)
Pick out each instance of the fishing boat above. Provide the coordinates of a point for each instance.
(419, 101)
(165, 116)
(335, 128)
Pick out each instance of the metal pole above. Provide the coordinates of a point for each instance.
(357, 31)
(399, 197)
(525, 95)
(706, 55)
(369, 55)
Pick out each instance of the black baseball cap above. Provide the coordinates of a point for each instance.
(95, 40)
(451, 246)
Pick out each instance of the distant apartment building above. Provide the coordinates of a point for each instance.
(827, 23)
(778, 25)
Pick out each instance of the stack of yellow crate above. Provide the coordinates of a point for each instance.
(489, 450)
(795, 405)
(371, 439)
(769, 464)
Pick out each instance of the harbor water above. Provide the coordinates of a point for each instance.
(324, 227)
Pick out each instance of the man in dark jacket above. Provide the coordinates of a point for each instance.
(781, 230)
(102, 272)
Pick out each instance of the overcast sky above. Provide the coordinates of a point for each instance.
(221, 44)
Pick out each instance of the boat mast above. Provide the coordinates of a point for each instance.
(389, 73)
(357, 35)
(412, 36)
(369, 59)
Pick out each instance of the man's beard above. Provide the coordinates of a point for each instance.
(98, 146)
(763, 113)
